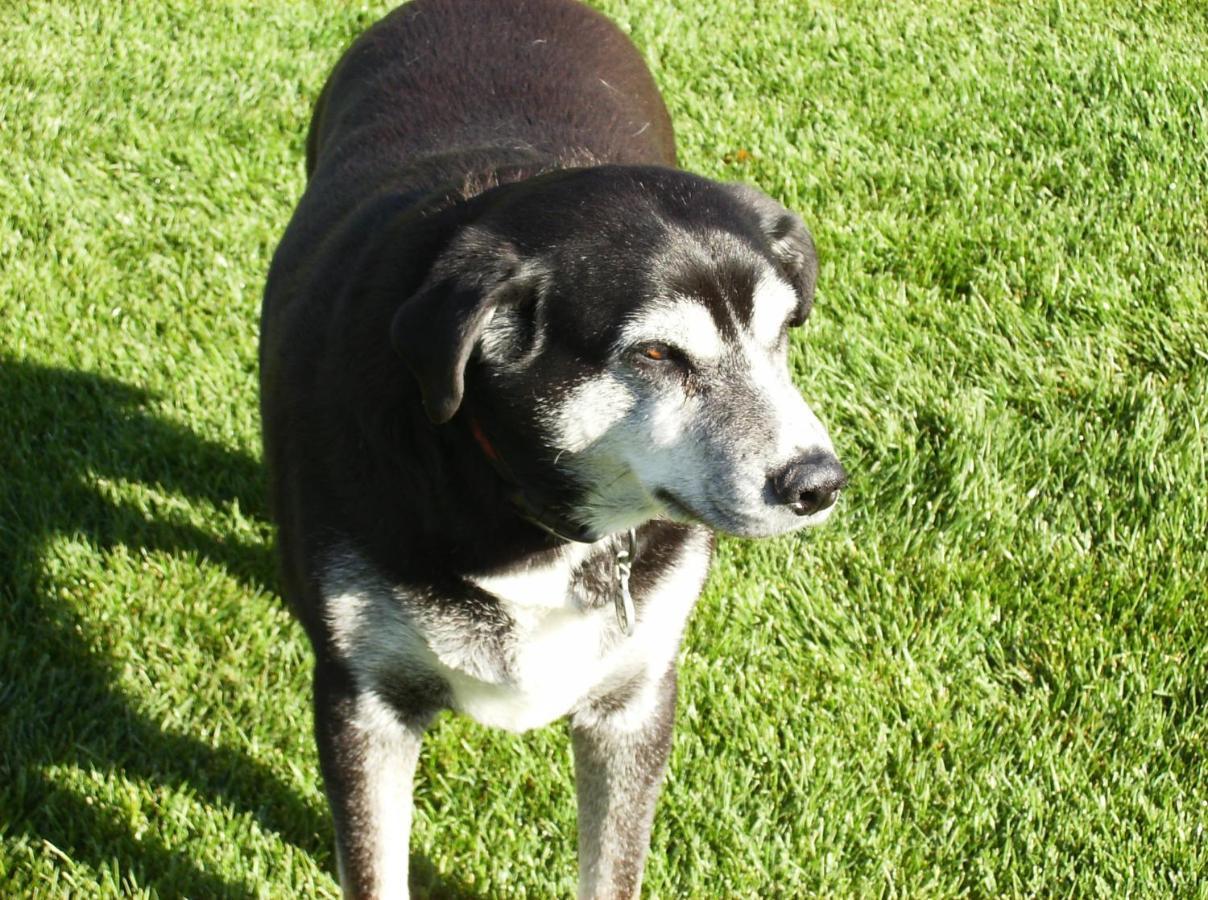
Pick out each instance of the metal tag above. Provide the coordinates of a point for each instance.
(626, 615)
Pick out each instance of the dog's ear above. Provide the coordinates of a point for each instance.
(435, 329)
(791, 244)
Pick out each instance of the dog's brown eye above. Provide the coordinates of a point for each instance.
(662, 358)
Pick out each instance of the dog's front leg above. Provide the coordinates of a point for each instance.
(621, 744)
(368, 754)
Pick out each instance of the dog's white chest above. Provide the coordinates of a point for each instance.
(562, 645)
(558, 652)
(563, 653)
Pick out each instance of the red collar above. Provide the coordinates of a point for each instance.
(487, 447)
(545, 516)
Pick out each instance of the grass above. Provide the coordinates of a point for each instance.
(987, 676)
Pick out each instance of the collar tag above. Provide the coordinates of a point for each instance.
(626, 614)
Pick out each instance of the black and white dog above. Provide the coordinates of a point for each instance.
(515, 369)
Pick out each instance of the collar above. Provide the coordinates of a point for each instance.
(524, 503)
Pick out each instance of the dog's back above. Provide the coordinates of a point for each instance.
(550, 76)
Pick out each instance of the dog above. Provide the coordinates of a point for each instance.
(516, 369)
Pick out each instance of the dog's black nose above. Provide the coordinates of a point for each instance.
(810, 483)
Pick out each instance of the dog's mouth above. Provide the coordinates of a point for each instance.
(676, 507)
(729, 521)
(681, 511)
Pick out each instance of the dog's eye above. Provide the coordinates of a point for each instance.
(659, 354)
(662, 360)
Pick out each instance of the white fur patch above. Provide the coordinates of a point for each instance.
(583, 426)
(771, 304)
(589, 410)
(565, 653)
(557, 662)
(670, 418)
(537, 586)
(797, 429)
(684, 323)
(388, 767)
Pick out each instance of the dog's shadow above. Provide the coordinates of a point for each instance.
(61, 703)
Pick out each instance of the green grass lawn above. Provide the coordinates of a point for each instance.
(986, 676)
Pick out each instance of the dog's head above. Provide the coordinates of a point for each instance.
(628, 327)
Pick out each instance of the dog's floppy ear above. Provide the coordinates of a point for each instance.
(435, 329)
(791, 244)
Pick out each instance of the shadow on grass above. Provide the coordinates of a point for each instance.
(60, 701)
